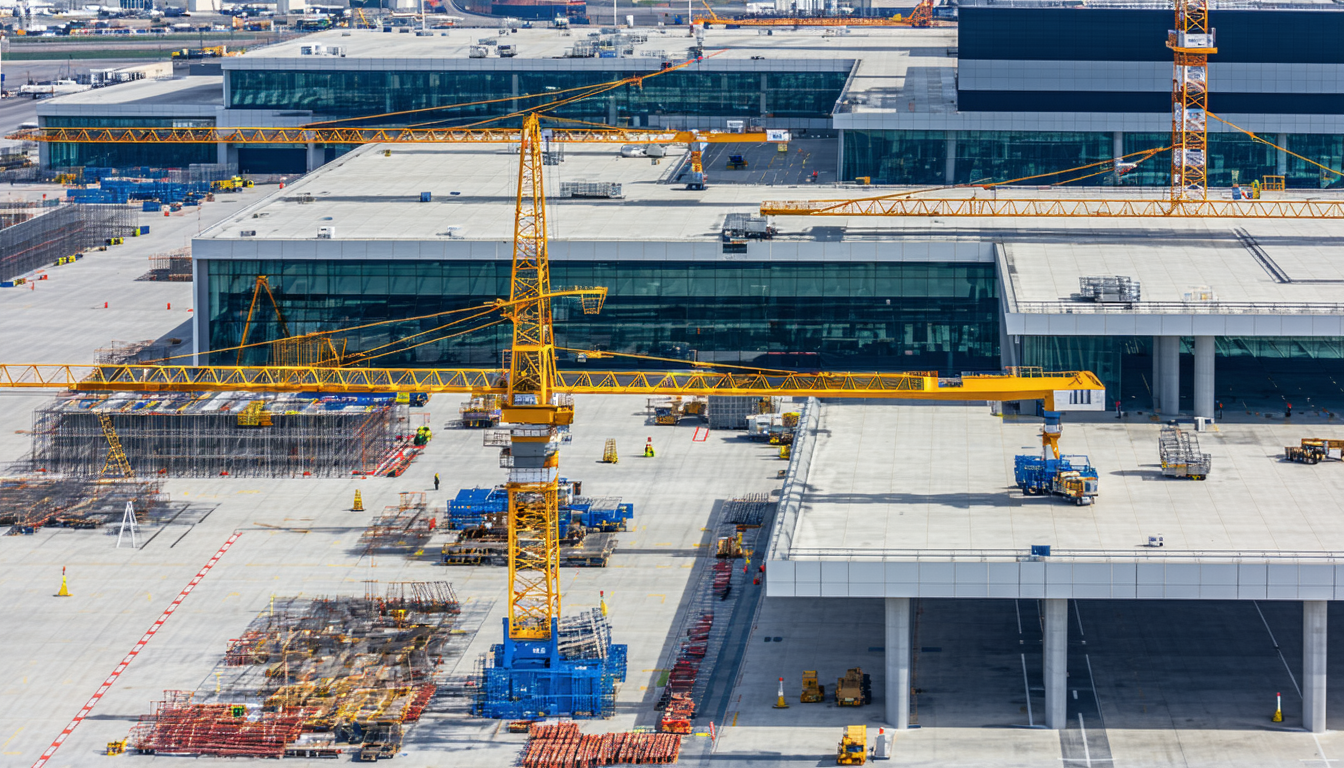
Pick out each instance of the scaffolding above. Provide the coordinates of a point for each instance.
(309, 675)
(64, 230)
(186, 435)
(29, 503)
(172, 266)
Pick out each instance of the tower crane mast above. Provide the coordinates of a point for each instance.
(1191, 43)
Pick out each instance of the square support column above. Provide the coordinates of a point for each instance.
(317, 155)
(1171, 375)
(1280, 156)
(1056, 662)
(1156, 383)
(1204, 348)
(950, 162)
(898, 662)
(1313, 665)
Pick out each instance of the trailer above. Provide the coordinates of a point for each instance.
(1181, 456)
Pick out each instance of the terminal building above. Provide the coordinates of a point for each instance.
(1014, 90)
(1247, 313)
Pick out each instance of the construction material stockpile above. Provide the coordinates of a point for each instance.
(29, 503)
(401, 528)
(581, 681)
(61, 231)
(587, 533)
(222, 434)
(560, 745)
(171, 266)
(1181, 456)
(343, 671)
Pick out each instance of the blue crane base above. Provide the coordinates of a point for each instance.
(532, 679)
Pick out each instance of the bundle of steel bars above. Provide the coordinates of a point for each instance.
(28, 503)
(560, 745)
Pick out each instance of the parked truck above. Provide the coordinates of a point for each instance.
(1072, 477)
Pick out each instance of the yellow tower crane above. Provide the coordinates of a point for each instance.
(538, 404)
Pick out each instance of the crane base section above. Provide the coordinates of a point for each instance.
(573, 674)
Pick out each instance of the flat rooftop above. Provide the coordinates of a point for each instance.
(367, 196)
(820, 47)
(204, 91)
(928, 492)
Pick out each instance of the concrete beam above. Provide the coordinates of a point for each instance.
(1313, 664)
(1056, 662)
(898, 662)
(1204, 381)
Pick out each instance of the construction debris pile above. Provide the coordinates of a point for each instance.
(403, 528)
(223, 433)
(1180, 454)
(576, 676)
(307, 677)
(588, 525)
(560, 745)
(29, 503)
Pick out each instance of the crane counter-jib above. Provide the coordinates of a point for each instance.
(1074, 390)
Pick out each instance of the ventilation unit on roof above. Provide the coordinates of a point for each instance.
(1107, 289)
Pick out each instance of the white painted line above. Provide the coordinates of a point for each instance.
(1078, 616)
(1320, 751)
(1277, 649)
(1026, 686)
(1017, 609)
(112, 678)
(1093, 681)
(1087, 753)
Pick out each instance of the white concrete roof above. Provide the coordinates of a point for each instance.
(912, 500)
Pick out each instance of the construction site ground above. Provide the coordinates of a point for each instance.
(299, 538)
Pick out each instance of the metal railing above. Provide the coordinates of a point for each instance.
(1180, 307)
(1062, 555)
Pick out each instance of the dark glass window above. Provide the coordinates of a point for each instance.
(890, 316)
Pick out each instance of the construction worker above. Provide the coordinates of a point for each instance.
(1288, 412)
(436, 481)
(1220, 409)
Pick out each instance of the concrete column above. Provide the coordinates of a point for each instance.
(950, 164)
(1281, 157)
(1156, 383)
(1056, 662)
(514, 93)
(1117, 145)
(316, 156)
(1204, 347)
(1313, 665)
(898, 662)
(765, 103)
(1171, 375)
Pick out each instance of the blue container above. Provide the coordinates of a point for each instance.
(426, 197)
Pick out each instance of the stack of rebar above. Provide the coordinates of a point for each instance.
(561, 745)
(747, 511)
(31, 502)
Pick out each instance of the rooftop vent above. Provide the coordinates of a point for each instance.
(1107, 289)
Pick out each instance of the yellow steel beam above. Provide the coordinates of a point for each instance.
(185, 378)
(1045, 208)
(1014, 385)
(373, 136)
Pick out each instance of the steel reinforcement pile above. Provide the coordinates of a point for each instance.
(314, 678)
(64, 230)
(227, 433)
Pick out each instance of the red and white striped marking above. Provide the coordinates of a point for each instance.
(701, 435)
(112, 678)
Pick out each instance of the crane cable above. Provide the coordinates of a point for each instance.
(1272, 144)
(434, 340)
(693, 363)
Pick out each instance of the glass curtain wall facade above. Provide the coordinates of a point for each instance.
(845, 316)
(919, 157)
(70, 154)
(343, 94)
(1255, 373)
